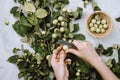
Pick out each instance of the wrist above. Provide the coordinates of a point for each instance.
(96, 62)
(102, 69)
(66, 78)
(60, 78)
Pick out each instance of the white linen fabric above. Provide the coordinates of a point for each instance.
(10, 39)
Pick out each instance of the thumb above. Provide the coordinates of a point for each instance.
(73, 51)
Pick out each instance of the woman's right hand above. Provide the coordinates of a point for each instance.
(85, 51)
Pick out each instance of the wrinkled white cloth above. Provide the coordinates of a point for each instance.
(9, 39)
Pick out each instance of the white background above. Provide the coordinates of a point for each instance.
(9, 38)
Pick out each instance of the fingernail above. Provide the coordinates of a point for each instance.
(59, 48)
(62, 51)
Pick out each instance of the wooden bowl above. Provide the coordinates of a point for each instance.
(104, 16)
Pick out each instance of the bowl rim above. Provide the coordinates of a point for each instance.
(100, 35)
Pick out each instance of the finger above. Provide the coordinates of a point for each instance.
(67, 61)
(62, 55)
(56, 51)
(59, 48)
(54, 55)
(78, 42)
(73, 51)
(58, 56)
(66, 73)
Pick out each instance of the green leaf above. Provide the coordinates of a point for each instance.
(100, 49)
(55, 15)
(49, 37)
(43, 73)
(21, 1)
(29, 7)
(116, 69)
(71, 25)
(13, 59)
(15, 0)
(119, 55)
(113, 62)
(67, 31)
(24, 22)
(100, 46)
(109, 63)
(23, 26)
(77, 14)
(33, 20)
(15, 11)
(79, 37)
(118, 19)
(25, 50)
(76, 28)
(108, 52)
(80, 10)
(21, 74)
(17, 28)
(95, 6)
(15, 50)
(41, 13)
(26, 77)
(62, 1)
(84, 68)
(59, 5)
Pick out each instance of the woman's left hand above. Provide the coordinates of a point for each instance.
(59, 64)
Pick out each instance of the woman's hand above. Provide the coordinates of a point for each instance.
(85, 51)
(59, 64)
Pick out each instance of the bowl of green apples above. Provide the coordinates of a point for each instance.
(99, 24)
